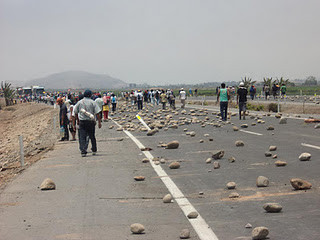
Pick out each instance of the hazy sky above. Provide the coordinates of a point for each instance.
(160, 41)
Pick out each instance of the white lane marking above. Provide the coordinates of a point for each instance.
(254, 133)
(199, 224)
(309, 145)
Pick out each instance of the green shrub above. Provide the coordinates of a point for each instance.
(253, 107)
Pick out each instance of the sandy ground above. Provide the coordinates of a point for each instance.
(35, 123)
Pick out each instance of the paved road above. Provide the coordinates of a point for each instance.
(96, 197)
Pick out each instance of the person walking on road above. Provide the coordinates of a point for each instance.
(139, 100)
(163, 97)
(223, 97)
(252, 92)
(242, 100)
(183, 96)
(63, 119)
(114, 102)
(86, 110)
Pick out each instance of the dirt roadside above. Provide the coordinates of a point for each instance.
(35, 123)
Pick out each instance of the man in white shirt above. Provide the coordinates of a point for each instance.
(182, 97)
(86, 110)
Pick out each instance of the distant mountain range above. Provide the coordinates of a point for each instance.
(77, 80)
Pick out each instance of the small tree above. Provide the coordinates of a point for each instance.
(248, 81)
(267, 82)
(282, 81)
(8, 92)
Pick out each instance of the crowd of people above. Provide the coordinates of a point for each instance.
(79, 112)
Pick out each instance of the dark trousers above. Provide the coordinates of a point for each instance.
(140, 106)
(163, 105)
(87, 129)
(114, 106)
(224, 110)
(66, 132)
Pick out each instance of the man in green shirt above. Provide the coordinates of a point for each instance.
(283, 90)
(223, 97)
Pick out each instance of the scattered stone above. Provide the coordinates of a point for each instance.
(174, 165)
(275, 156)
(162, 160)
(248, 225)
(184, 234)
(262, 181)
(259, 233)
(172, 145)
(209, 170)
(253, 124)
(192, 134)
(145, 160)
(119, 129)
(167, 198)
(157, 162)
(47, 184)
(210, 139)
(139, 178)
(244, 126)
(235, 128)
(216, 165)
(231, 159)
(186, 129)
(231, 185)
(305, 156)
(272, 207)
(278, 115)
(280, 163)
(201, 193)
(137, 228)
(201, 141)
(110, 127)
(218, 154)
(234, 195)
(268, 154)
(283, 120)
(299, 184)
(152, 132)
(239, 143)
(209, 160)
(317, 126)
(206, 135)
(193, 215)
(270, 128)
(273, 148)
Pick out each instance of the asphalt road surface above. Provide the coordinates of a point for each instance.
(97, 197)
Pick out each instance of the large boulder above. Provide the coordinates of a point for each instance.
(174, 165)
(217, 154)
(239, 143)
(260, 233)
(305, 156)
(47, 184)
(172, 145)
(262, 181)
(272, 207)
(167, 198)
(184, 234)
(299, 184)
(137, 228)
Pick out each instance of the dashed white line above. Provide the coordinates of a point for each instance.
(254, 133)
(311, 146)
(199, 224)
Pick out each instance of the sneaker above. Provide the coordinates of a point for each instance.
(83, 154)
(94, 153)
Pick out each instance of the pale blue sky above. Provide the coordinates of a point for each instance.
(160, 41)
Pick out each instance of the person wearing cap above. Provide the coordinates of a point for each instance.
(86, 110)
(182, 96)
(63, 119)
(223, 97)
(242, 100)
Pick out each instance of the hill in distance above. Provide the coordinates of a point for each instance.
(77, 80)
